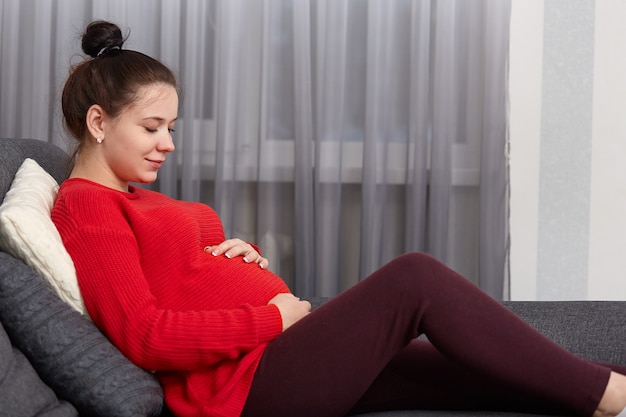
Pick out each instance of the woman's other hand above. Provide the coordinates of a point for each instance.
(291, 308)
(232, 248)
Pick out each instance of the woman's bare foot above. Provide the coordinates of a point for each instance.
(613, 401)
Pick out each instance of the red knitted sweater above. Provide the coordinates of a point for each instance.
(202, 322)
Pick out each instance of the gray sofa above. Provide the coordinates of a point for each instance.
(54, 362)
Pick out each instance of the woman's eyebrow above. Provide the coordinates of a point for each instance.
(159, 119)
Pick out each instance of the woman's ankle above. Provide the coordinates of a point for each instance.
(613, 401)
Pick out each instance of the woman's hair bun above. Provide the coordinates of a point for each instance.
(100, 36)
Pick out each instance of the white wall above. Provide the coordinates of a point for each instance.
(568, 149)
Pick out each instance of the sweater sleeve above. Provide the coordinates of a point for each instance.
(120, 302)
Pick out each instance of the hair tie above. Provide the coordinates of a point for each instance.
(107, 49)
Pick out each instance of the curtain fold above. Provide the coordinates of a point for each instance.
(304, 153)
(444, 124)
(335, 134)
(417, 179)
(494, 189)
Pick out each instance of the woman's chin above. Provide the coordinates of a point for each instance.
(147, 179)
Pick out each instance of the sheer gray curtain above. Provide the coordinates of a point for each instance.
(336, 134)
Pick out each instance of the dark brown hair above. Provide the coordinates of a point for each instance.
(111, 78)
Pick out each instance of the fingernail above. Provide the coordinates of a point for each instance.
(227, 255)
(245, 259)
(214, 253)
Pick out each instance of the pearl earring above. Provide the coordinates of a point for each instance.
(99, 140)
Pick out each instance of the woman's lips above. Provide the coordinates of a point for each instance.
(156, 164)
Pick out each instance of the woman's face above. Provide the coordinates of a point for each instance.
(138, 140)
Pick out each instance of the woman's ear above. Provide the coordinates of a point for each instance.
(95, 118)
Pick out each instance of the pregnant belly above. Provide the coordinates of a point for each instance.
(219, 283)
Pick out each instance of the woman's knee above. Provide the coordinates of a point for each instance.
(408, 272)
(415, 265)
(416, 260)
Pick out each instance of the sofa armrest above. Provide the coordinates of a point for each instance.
(69, 353)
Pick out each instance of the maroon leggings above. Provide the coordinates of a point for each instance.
(359, 353)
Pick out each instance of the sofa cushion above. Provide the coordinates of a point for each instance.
(22, 393)
(594, 330)
(28, 233)
(68, 352)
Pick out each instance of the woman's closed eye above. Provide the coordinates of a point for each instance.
(154, 130)
(159, 127)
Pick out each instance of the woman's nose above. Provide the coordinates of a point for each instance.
(167, 143)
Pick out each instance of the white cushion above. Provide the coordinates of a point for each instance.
(28, 233)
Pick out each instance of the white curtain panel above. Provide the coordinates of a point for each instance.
(336, 134)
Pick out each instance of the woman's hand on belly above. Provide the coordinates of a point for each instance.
(291, 308)
(232, 248)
